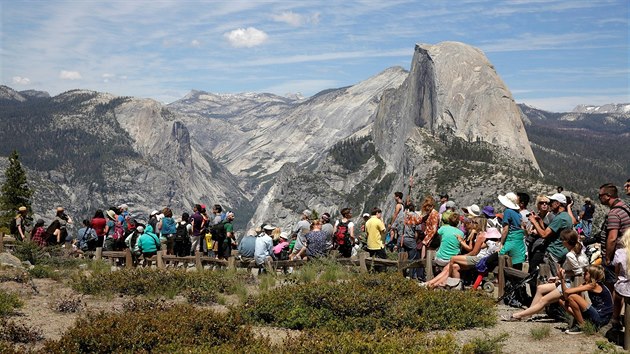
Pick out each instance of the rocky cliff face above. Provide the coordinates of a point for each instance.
(111, 150)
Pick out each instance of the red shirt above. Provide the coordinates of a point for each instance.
(98, 224)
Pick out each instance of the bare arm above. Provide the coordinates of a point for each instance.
(398, 207)
(611, 243)
(544, 233)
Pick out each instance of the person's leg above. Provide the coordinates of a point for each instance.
(578, 305)
(548, 297)
(455, 271)
(535, 260)
(440, 279)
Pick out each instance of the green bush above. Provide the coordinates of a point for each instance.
(181, 328)
(540, 332)
(43, 271)
(368, 302)
(379, 341)
(200, 287)
(9, 302)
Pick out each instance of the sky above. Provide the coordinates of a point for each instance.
(552, 54)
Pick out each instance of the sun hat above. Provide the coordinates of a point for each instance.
(60, 209)
(111, 214)
(123, 206)
(488, 211)
(472, 210)
(450, 204)
(22, 208)
(509, 200)
(140, 229)
(366, 215)
(284, 235)
(268, 227)
(559, 197)
(154, 212)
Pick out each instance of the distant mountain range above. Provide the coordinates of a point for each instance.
(450, 123)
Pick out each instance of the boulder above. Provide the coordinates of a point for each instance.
(7, 259)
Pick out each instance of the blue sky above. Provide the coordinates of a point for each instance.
(552, 54)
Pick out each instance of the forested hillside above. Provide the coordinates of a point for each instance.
(580, 151)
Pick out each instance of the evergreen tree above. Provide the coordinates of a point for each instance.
(15, 191)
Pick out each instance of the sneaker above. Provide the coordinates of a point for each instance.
(574, 330)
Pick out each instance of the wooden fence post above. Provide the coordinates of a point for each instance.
(128, 258)
(428, 265)
(198, 260)
(502, 260)
(1, 242)
(626, 332)
(232, 263)
(99, 253)
(362, 266)
(160, 261)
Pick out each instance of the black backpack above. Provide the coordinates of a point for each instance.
(218, 231)
(13, 227)
(181, 233)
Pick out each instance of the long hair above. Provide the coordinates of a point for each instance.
(427, 204)
(625, 240)
(573, 239)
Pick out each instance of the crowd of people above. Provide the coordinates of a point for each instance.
(467, 239)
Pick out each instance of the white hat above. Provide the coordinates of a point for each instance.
(559, 197)
(307, 213)
(154, 212)
(509, 200)
(140, 229)
(123, 206)
(269, 227)
(366, 215)
(473, 210)
(284, 235)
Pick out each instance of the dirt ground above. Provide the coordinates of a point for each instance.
(39, 312)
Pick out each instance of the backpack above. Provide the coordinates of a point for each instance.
(119, 231)
(218, 231)
(181, 232)
(342, 236)
(13, 227)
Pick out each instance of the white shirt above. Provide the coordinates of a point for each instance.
(263, 249)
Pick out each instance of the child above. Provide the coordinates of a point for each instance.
(39, 233)
(280, 250)
(599, 311)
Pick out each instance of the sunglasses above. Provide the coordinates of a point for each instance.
(543, 203)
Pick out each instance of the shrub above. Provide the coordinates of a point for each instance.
(43, 271)
(18, 333)
(486, 344)
(540, 332)
(368, 302)
(9, 302)
(69, 305)
(181, 328)
(198, 287)
(146, 305)
(379, 341)
(589, 328)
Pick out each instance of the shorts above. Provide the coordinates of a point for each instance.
(610, 275)
(515, 248)
(567, 282)
(148, 254)
(441, 262)
(593, 316)
(472, 260)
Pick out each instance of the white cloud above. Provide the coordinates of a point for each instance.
(246, 37)
(195, 43)
(290, 17)
(18, 80)
(69, 75)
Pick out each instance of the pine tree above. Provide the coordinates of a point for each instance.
(15, 191)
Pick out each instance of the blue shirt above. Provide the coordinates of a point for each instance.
(512, 218)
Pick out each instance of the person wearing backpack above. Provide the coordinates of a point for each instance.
(86, 237)
(343, 232)
(223, 234)
(168, 228)
(183, 233)
(149, 244)
(110, 226)
(19, 224)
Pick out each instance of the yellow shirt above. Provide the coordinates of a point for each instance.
(375, 228)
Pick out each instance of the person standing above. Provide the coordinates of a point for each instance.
(344, 233)
(375, 232)
(512, 234)
(586, 216)
(615, 224)
(301, 228)
(197, 223)
(21, 223)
